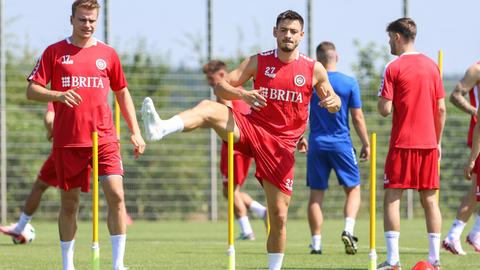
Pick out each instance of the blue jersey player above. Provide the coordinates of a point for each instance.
(330, 148)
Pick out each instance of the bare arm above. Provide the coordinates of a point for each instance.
(229, 89)
(328, 97)
(128, 111)
(475, 151)
(48, 122)
(384, 106)
(358, 121)
(224, 101)
(469, 80)
(39, 93)
(440, 117)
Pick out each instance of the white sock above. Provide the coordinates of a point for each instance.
(258, 209)
(434, 247)
(275, 261)
(245, 225)
(174, 124)
(317, 242)
(476, 227)
(22, 222)
(391, 239)
(349, 225)
(67, 254)
(456, 230)
(118, 250)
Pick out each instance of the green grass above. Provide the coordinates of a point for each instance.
(203, 245)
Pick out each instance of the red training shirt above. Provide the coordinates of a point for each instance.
(413, 83)
(287, 88)
(94, 70)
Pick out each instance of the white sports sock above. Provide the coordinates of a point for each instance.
(245, 225)
(317, 242)
(67, 254)
(258, 209)
(118, 250)
(434, 247)
(476, 227)
(174, 124)
(349, 225)
(275, 261)
(22, 222)
(456, 230)
(391, 239)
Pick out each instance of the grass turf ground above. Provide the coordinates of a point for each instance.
(202, 245)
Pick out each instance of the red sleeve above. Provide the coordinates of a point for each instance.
(387, 88)
(42, 71)
(115, 73)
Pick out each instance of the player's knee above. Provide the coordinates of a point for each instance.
(207, 109)
(429, 202)
(69, 206)
(115, 198)
(205, 105)
(278, 219)
(40, 186)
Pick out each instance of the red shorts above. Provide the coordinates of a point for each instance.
(411, 169)
(274, 158)
(73, 164)
(47, 173)
(240, 168)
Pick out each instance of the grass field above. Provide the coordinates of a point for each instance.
(202, 245)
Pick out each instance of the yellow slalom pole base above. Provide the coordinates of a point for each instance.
(372, 260)
(231, 257)
(95, 256)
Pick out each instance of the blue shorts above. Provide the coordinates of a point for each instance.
(321, 162)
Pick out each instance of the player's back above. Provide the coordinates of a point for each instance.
(413, 83)
(332, 130)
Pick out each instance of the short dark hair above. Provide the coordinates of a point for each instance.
(214, 66)
(405, 27)
(289, 15)
(88, 4)
(322, 49)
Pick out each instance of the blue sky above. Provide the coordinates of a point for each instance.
(242, 25)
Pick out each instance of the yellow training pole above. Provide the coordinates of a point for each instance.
(231, 248)
(440, 68)
(373, 202)
(117, 118)
(95, 245)
(440, 62)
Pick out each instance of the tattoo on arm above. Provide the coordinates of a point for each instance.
(458, 99)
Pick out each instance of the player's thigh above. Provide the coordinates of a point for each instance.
(221, 119)
(346, 167)
(318, 169)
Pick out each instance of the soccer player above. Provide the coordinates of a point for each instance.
(329, 147)
(470, 84)
(412, 90)
(283, 83)
(216, 71)
(81, 70)
(46, 178)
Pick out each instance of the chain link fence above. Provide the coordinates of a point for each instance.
(172, 179)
